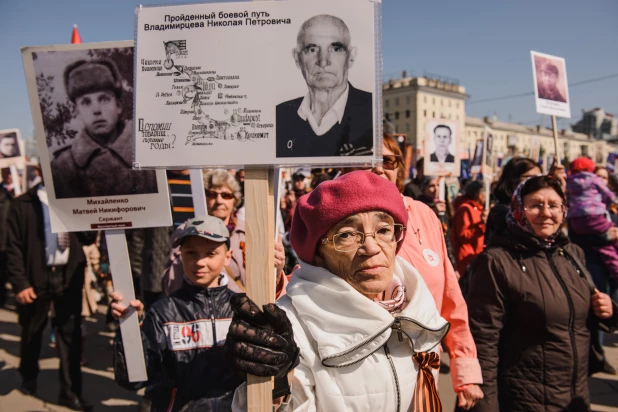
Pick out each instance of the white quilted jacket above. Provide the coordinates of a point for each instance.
(355, 356)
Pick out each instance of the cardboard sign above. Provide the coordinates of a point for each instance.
(85, 138)
(442, 148)
(242, 84)
(551, 88)
(477, 160)
(31, 176)
(489, 157)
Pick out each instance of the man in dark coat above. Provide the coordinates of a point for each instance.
(334, 118)
(44, 269)
(98, 162)
(7, 193)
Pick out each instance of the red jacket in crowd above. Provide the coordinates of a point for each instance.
(467, 232)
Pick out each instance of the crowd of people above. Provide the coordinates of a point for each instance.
(376, 277)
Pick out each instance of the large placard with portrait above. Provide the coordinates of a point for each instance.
(258, 83)
(81, 98)
(442, 148)
(11, 148)
(551, 87)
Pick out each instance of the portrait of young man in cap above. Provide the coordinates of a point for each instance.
(98, 161)
(548, 83)
(334, 118)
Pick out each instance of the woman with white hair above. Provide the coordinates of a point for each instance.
(358, 329)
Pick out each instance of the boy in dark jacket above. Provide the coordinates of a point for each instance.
(184, 334)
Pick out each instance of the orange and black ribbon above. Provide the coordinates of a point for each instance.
(426, 398)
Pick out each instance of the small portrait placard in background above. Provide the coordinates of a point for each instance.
(11, 148)
(442, 148)
(550, 85)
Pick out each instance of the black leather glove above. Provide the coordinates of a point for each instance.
(261, 343)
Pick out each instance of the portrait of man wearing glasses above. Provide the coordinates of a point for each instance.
(334, 118)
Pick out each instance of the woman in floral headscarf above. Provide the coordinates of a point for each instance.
(530, 303)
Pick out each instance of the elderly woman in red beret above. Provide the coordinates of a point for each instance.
(358, 328)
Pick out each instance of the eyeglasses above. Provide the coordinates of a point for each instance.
(391, 162)
(351, 241)
(211, 194)
(538, 208)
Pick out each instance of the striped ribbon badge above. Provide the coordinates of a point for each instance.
(426, 398)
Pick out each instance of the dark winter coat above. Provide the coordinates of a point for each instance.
(496, 222)
(26, 256)
(296, 138)
(157, 244)
(84, 168)
(5, 205)
(529, 310)
(183, 336)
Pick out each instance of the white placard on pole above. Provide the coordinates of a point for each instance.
(198, 193)
(487, 189)
(16, 183)
(129, 326)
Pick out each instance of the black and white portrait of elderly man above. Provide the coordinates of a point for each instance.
(334, 118)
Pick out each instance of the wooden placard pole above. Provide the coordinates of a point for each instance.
(555, 129)
(197, 192)
(129, 325)
(260, 230)
(442, 189)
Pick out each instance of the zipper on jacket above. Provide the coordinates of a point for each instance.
(390, 361)
(397, 327)
(212, 320)
(571, 322)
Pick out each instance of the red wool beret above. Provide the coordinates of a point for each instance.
(334, 200)
(582, 164)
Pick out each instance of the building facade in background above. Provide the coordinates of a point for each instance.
(598, 124)
(410, 101)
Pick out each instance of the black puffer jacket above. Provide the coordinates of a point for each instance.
(529, 312)
(183, 337)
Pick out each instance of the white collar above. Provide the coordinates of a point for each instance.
(332, 116)
(348, 327)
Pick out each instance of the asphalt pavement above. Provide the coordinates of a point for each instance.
(101, 390)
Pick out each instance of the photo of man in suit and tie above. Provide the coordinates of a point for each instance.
(334, 118)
